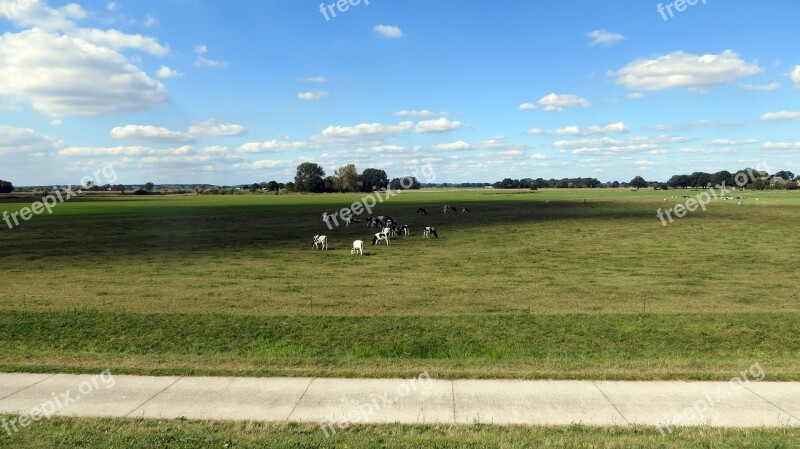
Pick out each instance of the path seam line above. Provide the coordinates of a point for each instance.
(612, 404)
(453, 394)
(300, 399)
(770, 403)
(153, 397)
(29, 386)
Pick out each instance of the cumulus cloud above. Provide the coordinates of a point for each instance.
(166, 72)
(314, 79)
(556, 102)
(440, 125)
(34, 13)
(603, 37)
(25, 140)
(610, 146)
(274, 146)
(527, 107)
(364, 133)
(636, 96)
(782, 115)
(796, 76)
(389, 31)
(684, 70)
(453, 146)
(789, 146)
(424, 113)
(150, 134)
(312, 96)
(66, 76)
(118, 40)
(611, 128)
(210, 128)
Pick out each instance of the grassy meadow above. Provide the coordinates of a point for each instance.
(229, 285)
(109, 433)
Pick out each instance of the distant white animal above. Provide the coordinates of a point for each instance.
(665, 199)
(741, 203)
(430, 232)
(547, 202)
(320, 242)
(358, 247)
(380, 237)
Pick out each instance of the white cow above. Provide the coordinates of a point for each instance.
(358, 247)
(320, 242)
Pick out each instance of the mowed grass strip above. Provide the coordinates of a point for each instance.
(680, 346)
(180, 434)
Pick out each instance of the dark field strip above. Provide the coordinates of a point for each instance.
(121, 434)
(636, 347)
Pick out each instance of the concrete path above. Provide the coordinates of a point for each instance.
(421, 400)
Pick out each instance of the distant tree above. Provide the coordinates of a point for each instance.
(347, 179)
(272, 186)
(309, 178)
(639, 183)
(6, 187)
(615, 185)
(405, 183)
(787, 175)
(289, 186)
(149, 187)
(723, 177)
(331, 183)
(254, 188)
(373, 179)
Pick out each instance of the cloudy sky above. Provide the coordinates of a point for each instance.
(241, 91)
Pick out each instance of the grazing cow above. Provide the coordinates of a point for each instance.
(430, 231)
(380, 237)
(320, 242)
(448, 209)
(665, 199)
(422, 211)
(358, 247)
(465, 211)
(351, 220)
(405, 230)
(741, 203)
(547, 202)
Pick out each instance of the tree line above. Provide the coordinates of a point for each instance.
(311, 178)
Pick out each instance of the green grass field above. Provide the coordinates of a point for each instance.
(519, 289)
(104, 434)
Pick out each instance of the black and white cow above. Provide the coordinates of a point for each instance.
(351, 220)
(430, 232)
(405, 230)
(465, 211)
(422, 211)
(449, 209)
(380, 237)
(320, 242)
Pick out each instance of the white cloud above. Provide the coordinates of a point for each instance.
(265, 164)
(790, 146)
(166, 72)
(453, 146)
(210, 128)
(106, 151)
(150, 21)
(539, 156)
(610, 146)
(762, 87)
(527, 107)
(439, 125)
(364, 133)
(389, 31)
(603, 37)
(111, 6)
(67, 76)
(274, 146)
(796, 76)
(684, 70)
(612, 128)
(424, 113)
(312, 96)
(34, 13)
(25, 140)
(314, 79)
(728, 142)
(118, 40)
(636, 96)
(202, 61)
(556, 102)
(150, 134)
(783, 115)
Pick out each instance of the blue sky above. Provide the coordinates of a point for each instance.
(236, 91)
